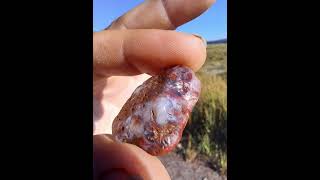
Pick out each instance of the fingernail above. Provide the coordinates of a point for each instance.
(203, 39)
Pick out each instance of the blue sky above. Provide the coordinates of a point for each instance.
(212, 24)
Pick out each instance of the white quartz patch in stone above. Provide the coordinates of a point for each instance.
(161, 109)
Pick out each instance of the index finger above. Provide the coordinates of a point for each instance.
(134, 52)
(161, 14)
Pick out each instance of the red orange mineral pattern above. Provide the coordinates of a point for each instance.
(157, 112)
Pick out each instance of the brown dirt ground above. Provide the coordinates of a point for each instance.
(179, 169)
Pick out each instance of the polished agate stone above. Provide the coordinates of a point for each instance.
(157, 112)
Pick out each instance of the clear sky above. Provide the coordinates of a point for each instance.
(212, 24)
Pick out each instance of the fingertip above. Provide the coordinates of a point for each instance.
(152, 50)
(191, 51)
(200, 52)
(112, 158)
(210, 2)
(134, 52)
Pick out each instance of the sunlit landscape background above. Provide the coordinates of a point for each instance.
(202, 152)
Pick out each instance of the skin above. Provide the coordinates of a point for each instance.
(138, 44)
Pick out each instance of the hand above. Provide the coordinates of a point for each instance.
(135, 46)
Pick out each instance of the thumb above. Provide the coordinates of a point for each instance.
(114, 160)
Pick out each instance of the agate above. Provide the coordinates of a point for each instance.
(157, 112)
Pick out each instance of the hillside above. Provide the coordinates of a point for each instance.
(217, 41)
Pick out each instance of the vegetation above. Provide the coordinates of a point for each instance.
(206, 133)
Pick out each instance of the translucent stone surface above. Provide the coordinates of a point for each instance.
(156, 114)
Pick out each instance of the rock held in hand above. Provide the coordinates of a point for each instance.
(157, 112)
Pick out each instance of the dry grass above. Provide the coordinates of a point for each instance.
(206, 132)
(216, 59)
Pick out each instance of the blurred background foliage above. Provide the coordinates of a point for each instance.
(205, 136)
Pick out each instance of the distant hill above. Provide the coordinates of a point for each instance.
(217, 41)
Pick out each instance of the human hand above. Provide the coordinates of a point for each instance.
(135, 46)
